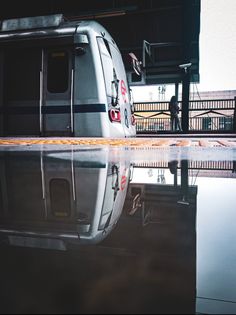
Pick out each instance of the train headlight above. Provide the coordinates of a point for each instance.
(115, 115)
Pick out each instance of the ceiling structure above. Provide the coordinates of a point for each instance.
(163, 34)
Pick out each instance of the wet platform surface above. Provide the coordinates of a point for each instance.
(137, 226)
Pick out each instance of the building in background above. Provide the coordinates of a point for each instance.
(213, 95)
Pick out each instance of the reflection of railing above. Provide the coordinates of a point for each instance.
(193, 165)
(204, 116)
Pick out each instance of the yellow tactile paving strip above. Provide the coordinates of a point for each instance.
(132, 142)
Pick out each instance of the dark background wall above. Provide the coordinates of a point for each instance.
(174, 25)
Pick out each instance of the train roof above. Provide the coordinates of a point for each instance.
(51, 26)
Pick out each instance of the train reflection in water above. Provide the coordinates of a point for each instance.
(50, 200)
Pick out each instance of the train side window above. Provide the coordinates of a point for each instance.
(58, 72)
(107, 64)
(60, 198)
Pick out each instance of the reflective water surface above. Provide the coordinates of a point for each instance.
(117, 231)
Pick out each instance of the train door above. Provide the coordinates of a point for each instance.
(57, 82)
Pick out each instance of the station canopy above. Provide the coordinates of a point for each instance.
(161, 34)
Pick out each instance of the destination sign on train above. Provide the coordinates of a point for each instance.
(32, 23)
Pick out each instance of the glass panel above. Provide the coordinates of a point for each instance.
(60, 198)
(58, 72)
(107, 64)
(22, 68)
(24, 188)
(222, 123)
(228, 123)
(207, 123)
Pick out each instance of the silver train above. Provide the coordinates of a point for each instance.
(62, 78)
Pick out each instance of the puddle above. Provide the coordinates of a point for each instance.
(118, 230)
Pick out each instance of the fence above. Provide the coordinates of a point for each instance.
(204, 116)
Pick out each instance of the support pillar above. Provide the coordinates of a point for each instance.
(234, 167)
(177, 90)
(188, 34)
(184, 178)
(185, 101)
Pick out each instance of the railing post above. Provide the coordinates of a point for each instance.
(234, 114)
(184, 181)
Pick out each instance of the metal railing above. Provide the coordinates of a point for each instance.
(204, 116)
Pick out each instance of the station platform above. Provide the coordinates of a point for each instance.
(209, 142)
